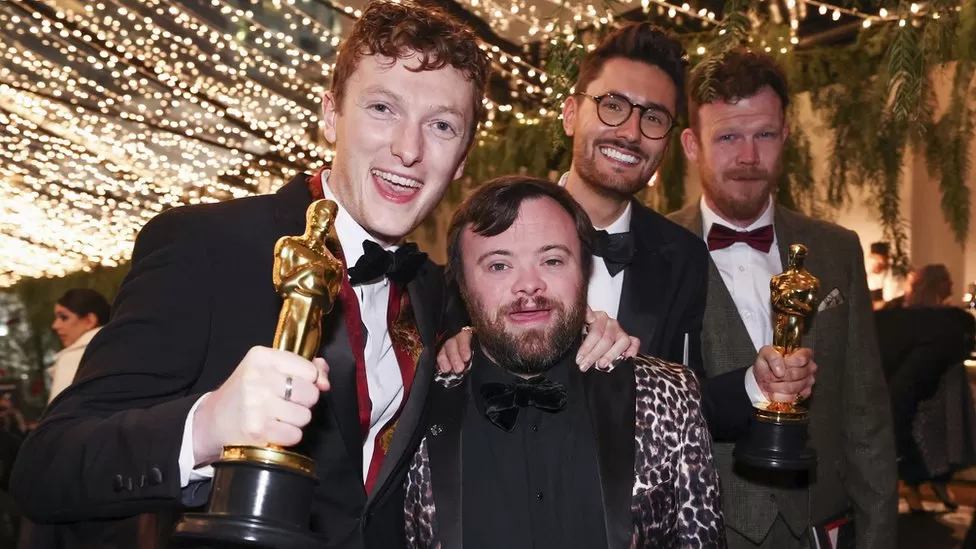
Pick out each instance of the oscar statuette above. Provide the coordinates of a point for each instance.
(777, 438)
(261, 496)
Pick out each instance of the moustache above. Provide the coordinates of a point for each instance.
(523, 304)
(627, 146)
(747, 173)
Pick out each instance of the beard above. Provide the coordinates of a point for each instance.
(609, 182)
(735, 204)
(530, 352)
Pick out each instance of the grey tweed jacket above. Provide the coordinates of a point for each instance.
(850, 421)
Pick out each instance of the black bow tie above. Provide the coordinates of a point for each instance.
(399, 266)
(504, 400)
(617, 250)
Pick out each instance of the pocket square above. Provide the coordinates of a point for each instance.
(833, 299)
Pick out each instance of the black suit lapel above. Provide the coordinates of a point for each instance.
(427, 300)
(610, 400)
(448, 406)
(640, 304)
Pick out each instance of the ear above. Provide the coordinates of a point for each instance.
(569, 115)
(689, 142)
(330, 109)
(786, 131)
(90, 321)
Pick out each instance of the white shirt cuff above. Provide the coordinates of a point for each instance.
(756, 395)
(187, 470)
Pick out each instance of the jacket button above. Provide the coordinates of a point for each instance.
(142, 481)
(128, 484)
(117, 483)
(155, 476)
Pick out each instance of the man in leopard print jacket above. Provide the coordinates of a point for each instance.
(524, 450)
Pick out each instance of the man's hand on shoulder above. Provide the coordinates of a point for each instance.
(267, 400)
(780, 378)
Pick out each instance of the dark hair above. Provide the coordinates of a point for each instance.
(931, 287)
(85, 301)
(739, 73)
(399, 30)
(641, 42)
(494, 206)
(880, 248)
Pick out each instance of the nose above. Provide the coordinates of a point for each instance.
(748, 153)
(630, 129)
(528, 283)
(408, 144)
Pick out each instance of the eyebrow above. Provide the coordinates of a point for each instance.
(541, 250)
(651, 104)
(397, 98)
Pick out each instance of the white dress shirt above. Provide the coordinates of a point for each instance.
(383, 376)
(746, 272)
(891, 286)
(603, 293)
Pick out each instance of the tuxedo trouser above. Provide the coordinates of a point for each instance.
(779, 537)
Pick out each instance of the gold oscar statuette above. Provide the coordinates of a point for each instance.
(262, 496)
(778, 434)
(793, 294)
(307, 276)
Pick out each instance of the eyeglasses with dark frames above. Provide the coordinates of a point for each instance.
(613, 110)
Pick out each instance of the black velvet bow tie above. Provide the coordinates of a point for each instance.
(617, 250)
(504, 400)
(399, 266)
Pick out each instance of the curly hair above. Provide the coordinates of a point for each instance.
(641, 42)
(739, 73)
(400, 30)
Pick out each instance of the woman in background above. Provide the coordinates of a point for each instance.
(78, 316)
(923, 346)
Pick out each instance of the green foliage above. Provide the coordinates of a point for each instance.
(732, 32)
(671, 175)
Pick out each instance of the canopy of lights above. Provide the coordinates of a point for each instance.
(114, 110)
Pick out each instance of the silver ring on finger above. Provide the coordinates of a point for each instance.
(288, 387)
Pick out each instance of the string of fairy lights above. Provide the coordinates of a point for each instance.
(115, 110)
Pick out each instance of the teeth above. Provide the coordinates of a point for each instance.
(398, 179)
(617, 155)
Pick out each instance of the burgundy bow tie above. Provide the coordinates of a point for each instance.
(720, 236)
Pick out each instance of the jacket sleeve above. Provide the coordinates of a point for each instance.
(870, 477)
(108, 445)
(701, 523)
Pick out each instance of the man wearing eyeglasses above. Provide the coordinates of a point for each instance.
(649, 273)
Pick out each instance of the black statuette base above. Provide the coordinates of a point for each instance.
(252, 505)
(773, 444)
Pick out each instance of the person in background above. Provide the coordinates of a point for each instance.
(923, 346)
(78, 315)
(883, 283)
(899, 301)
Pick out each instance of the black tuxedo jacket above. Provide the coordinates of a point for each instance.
(658, 484)
(198, 297)
(663, 301)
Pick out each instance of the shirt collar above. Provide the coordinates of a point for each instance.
(710, 217)
(620, 225)
(351, 234)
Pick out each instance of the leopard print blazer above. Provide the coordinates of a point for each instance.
(675, 501)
